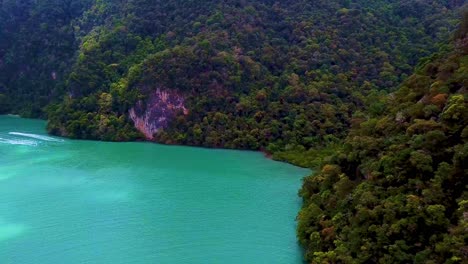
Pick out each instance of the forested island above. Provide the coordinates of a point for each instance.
(371, 94)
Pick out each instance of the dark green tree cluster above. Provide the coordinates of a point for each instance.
(397, 190)
(280, 76)
(37, 47)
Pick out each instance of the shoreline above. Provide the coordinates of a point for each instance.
(264, 153)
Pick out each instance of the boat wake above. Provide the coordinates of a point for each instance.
(23, 142)
(26, 139)
(40, 137)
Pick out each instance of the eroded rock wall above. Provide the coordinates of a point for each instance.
(157, 111)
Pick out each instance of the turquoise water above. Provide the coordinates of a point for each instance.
(64, 202)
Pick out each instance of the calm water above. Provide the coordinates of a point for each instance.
(67, 202)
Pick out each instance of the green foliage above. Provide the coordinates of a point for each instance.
(263, 75)
(396, 192)
(36, 49)
(309, 82)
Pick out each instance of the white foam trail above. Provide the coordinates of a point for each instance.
(40, 137)
(18, 142)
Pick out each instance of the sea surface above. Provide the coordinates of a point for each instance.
(66, 201)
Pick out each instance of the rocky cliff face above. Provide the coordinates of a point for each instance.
(157, 111)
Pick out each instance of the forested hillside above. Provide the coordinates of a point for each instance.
(396, 191)
(371, 91)
(281, 76)
(37, 47)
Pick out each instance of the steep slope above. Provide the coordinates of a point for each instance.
(278, 76)
(397, 191)
(37, 47)
(287, 77)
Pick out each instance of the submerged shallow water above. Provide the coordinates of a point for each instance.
(67, 201)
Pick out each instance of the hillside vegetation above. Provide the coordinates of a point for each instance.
(370, 93)
(280, 76)
(396, 191)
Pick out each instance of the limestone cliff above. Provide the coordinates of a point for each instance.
(157, 111)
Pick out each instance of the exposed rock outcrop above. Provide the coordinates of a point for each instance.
(157, 111)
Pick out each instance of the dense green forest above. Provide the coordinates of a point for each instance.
(373, 92)
(396, 190)
(281, 76)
